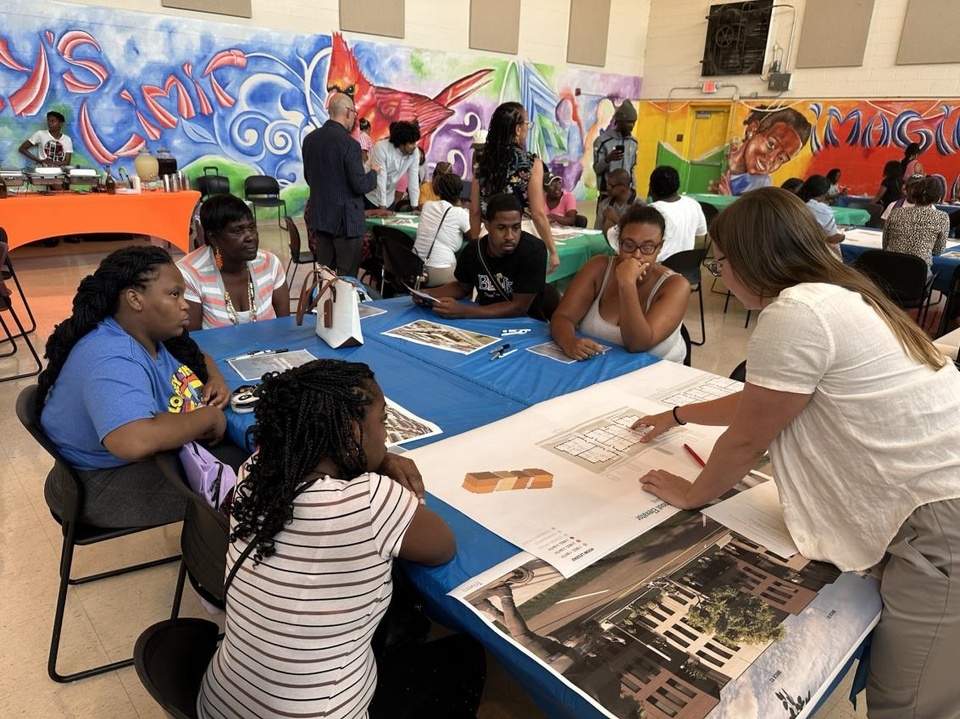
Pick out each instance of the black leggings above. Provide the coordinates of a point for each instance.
(442, 678)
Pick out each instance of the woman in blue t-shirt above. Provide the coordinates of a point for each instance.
(124, 381)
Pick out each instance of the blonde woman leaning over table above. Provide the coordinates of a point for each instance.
(628, 299)
(230, 280)
(831, 363)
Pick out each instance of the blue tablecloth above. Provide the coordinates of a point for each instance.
(459, 393)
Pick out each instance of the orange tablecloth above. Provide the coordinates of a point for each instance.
(34, 216)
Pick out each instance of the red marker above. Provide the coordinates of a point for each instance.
(696, 457)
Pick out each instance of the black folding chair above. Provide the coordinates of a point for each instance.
(687, 263)
(740, 372)
(902, 277)
(8, 273)
(171, 658)
(402, 267)
(264, 191)
(687, 344)
(203, 540)
(6, 305)
(298, 256)
(212, 184)
(75, 533)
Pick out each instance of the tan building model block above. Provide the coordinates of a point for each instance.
(480, 482)
(505, 481)
(539, 479)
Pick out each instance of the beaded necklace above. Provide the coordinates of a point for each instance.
(232, 311)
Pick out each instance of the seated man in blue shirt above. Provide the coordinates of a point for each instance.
(507, 268)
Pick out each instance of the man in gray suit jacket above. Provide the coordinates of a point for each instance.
(334, 171)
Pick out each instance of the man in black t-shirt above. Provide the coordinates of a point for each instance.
(507, 268)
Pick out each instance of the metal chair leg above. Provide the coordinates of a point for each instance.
(703, 325)
(66, 563)
(178, 592)
(23, 296)
(13, 343)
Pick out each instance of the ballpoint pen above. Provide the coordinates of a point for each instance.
(254, 353)
(502, 348)
(696, 457)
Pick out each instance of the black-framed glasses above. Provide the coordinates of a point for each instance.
(714, 267)
(241, 230)
(646, 248)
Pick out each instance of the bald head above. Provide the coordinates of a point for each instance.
(342, 110)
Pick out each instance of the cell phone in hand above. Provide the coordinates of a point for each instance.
(618, 148)
(429, 299)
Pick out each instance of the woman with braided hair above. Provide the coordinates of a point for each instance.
(505, 165)
(323, 526)
(123, 382)
(444, 224)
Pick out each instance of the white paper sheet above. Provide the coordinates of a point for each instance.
(593, 502)
(404, 426)
(443, 337)
(253, 366)
(756, 514)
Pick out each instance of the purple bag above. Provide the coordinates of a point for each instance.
(208, 476)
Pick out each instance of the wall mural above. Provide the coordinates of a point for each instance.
(243, 99)
(856, 136)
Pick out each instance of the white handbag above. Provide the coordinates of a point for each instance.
(337, 303)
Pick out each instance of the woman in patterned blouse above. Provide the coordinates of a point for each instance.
(505, 165)
(920, 230)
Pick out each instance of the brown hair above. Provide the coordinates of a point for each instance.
(773, 242)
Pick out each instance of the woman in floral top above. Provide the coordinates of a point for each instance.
(504, 165)
(920, 230)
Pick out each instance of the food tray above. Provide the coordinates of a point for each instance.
(43, 180)
(13, 179)
(76, 180)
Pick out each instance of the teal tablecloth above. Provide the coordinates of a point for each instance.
(574, 252)
(844, 215)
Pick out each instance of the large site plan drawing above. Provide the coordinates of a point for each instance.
(608, 443)
(594, 503)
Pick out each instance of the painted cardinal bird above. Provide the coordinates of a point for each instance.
(383, 105)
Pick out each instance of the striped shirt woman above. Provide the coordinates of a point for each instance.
(203, 285)
(299, 624)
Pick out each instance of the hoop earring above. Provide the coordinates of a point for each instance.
(218, 258)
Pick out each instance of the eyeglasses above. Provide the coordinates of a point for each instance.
(714, 267)
(529, 123)
(241, 230)
(645, 249)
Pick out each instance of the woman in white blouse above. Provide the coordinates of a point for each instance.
(830, 365)
(443, 227)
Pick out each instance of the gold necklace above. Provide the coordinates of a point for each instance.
(231, 310)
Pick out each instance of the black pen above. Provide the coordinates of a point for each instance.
(263, 352)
